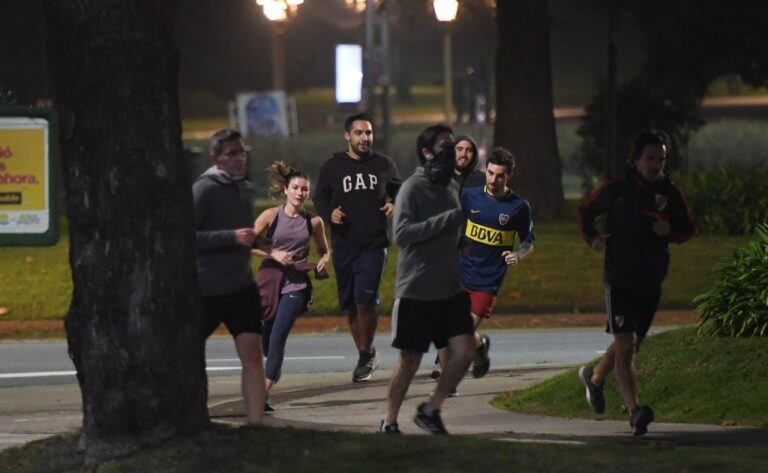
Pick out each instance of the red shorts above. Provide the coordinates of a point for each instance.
(482, 303)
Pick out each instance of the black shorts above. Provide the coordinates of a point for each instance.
(630, 310)
(239, 311)
(358, 274)
(416, 324)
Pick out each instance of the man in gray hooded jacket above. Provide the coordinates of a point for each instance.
(465, 175)
(224, 215)
(430, 306)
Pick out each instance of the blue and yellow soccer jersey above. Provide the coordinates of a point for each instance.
(492, 227)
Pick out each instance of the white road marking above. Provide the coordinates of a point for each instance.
(46, 419)
(286, 358)
(49, 374)
(39, 374)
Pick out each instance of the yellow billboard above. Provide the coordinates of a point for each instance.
(24, 175)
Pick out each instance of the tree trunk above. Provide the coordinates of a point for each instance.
(525, 122)
(133, 326)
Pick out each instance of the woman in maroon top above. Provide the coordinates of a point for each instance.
(283, 276)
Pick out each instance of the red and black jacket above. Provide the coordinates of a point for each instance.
(635, 257)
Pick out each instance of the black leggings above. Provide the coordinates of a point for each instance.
(275, 331)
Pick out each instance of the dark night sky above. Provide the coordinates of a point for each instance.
(224, 46)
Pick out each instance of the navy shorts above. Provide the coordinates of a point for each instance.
(630, 310)
(416, 324)
(240, 311)
(358, 274)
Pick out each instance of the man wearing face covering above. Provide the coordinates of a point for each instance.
(430, 304)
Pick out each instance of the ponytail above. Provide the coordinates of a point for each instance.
(281, 176)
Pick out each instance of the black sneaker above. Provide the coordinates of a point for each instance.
(268, 407)
(366, 365)
(389, 428)
(432, 424)
(436, 371)
(595, 395)
(482, 362)
(639, 420)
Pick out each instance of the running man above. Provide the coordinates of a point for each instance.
(430, 304)
(223, 200)
(496, 217)
(355, 192)
(645, 212)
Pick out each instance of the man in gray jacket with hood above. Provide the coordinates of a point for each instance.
(430, 304)
(465, 175)
(224, 215)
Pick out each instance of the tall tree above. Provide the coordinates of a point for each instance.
(689, 44)
(524, 118)
(133, 326)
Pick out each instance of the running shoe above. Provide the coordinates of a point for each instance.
(431, 423)
(595, 395)
(389, 428)
(482, 362)
(268, 407)
(639, 420)
(436, 371)
(366, 365)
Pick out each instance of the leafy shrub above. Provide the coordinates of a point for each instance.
(727, 141)
(737, 304)
(641, 104)
(732, 199)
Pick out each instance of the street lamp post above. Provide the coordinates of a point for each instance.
(376, 62)
(278, 12)
(445, 11)
(277, 47)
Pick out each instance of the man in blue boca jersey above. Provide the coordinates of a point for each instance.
(496, 217)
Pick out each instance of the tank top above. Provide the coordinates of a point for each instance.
(291, 235)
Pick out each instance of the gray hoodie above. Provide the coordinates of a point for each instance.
(221, 206)
(426, 228)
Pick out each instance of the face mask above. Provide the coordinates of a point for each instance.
(439, 169)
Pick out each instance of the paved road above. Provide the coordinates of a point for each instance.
(46, 362)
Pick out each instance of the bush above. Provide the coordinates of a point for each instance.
(737, 304)
(641, 104)
(731, 200)
(727, 141)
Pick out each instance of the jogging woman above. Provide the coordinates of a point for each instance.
(283, 278)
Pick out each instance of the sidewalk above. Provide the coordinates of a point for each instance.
(330, 401)
(339, 405)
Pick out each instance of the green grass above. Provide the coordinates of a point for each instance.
(254, 449)
(720, 88)
(315, 105)
(683, 376)
(562, 275)
(35, 282)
